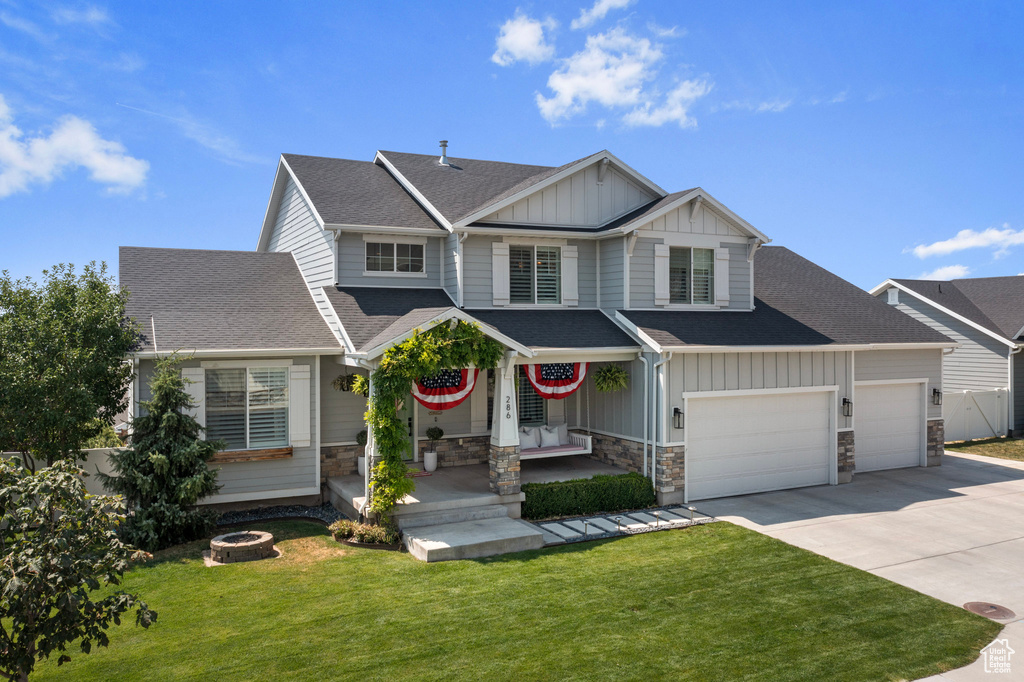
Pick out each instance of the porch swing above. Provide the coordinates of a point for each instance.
(555, 381)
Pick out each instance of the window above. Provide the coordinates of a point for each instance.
(247, 408)
(691, 275)
(391, 257)
(535, 274)
(531, 404)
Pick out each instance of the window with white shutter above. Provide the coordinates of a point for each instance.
(500, 273)
(535, 274)
(247, 408)
(691, 276)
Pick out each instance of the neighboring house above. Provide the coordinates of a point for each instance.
(983, 378)
(751, 369)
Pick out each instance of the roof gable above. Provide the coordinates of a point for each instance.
(994, 305)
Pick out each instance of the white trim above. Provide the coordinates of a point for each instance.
(535, 241)
(610, 434)
(316, 411)
(426, 232)
(557, 177)
(262, 495)
(844, 429)
(242, 352)
(341, 334)
(923, 452)
(691, 240)
(887, 382)
(934, 419)
(597, 263)
(407, 241)
(808, 348)
(890, 283)
(444, 317)
(235, 364)
(411, 188)
(393, 239)
(718, 206)
(273, 202)
(625, 273)
(395, 273)
(549, 355)
(746, 392)
(627, 325)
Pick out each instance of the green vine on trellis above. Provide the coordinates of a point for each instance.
(445, 346)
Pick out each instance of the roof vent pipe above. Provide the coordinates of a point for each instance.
(444, 153)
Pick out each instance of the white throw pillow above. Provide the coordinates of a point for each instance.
(528, 438)
(563, 434)
(549, 437)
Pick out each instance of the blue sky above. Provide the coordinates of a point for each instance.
(878, 139)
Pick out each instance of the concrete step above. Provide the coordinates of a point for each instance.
(454, 515)
(472, 539)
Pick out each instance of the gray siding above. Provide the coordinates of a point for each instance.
(739, 278)
(877, 365)
(695, 372)
(296, 230)
(454, 422)
(620, 413)
(352, 263)
(343, 411)
(449, 246)
(1018, 392)
(978, 365)
(641, 274)
(612, 288)
(298, 471)
(587, 271)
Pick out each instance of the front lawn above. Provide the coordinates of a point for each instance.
(1004, 448)
(714, 602)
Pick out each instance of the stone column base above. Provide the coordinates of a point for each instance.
(504, 473)
(846, 456)
(936, 441)
(670, 468)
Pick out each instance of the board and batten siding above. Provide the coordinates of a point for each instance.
(641, 275)
(706, 221)
(268, 476)
(296, 230)
(619, 413)
(980, 364)
(698, 372)
(879, 365)
(612, 276)
(352, 265)
(578, 200)
(343, 412)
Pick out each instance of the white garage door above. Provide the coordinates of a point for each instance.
(756, 443)
(888, 427)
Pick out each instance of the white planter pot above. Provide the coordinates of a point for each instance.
(361, 465)
(430, 460)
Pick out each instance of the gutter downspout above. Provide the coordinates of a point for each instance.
(1010, 394)
(459, 268)
(647, 418)
(659, 394)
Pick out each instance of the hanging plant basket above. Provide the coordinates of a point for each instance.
(611, 378)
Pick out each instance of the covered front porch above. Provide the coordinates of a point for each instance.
(464, 487)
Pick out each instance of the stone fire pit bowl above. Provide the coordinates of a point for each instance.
(243, 545)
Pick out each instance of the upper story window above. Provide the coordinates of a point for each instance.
(535, 274)
(691, 275)
(247, 408)
(394, 257)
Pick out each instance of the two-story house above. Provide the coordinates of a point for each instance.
(750, 368)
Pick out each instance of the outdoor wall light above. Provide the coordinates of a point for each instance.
(847, 407)
(677, 418)
(936, 396)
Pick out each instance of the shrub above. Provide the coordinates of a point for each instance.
(435, 434)
(611, 378)
(342, 528)
(372, 534)
(600, 494)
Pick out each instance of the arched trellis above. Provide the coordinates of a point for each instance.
(454, 345)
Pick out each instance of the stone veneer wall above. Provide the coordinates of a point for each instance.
(338, 460)
(504, 474)
(846, 453)
(670, 463)
(619, 452)
(936, 442)
(460, 451)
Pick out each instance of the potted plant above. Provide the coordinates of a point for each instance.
(430, 456)
(361, 460)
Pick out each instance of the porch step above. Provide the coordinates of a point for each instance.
(453, 515)
(472, 539)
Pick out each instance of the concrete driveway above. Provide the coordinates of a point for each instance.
(955, 532)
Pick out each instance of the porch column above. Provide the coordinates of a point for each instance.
(504, 453)
(370, 451)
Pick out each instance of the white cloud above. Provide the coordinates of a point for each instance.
(665, 32)
(522, 38)
(947, 272)
(598, 12)
(74, 143)
(610, 70)
(675, 108)
(773, 106)
(91, 15)
(1000, 239)
(25, 26)
(224, 146)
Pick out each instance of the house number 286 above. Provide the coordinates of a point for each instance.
(508, 407)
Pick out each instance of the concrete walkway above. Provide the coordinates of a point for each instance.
(954, 532)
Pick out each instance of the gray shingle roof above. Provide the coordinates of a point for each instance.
(557, 328)
(995, 303)
(347, 192)
(220, 300)
(468, 184)
(367, 312)
(796, 303)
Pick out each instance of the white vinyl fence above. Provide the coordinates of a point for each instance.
(96, 460)
(975, 414)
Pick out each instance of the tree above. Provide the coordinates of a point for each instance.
(164, 473)
(58, 545)
(63, 346)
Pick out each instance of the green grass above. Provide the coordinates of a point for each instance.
(715, 602)
(1004, 448)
